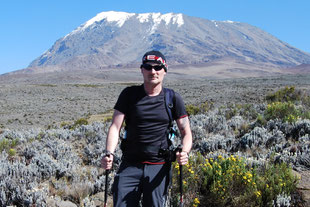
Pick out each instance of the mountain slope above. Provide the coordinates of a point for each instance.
(120, 39)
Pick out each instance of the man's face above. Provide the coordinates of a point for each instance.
(152, 76)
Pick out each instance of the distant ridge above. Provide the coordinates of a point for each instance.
(302, 68)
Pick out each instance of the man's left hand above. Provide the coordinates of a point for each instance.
(182, 157)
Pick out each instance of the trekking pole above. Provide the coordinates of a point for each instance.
(181, 179)
(181, 186)
(106, 183)
(106, 187)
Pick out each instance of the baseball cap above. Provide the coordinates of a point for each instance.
(156, 57)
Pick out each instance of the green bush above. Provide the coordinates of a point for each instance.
(306, 101)
(64, 123)
(196, 109)
(8, 145)
(230, 182)
(285, 111)
(230, 112)
(108, 118)
(288, 94)
(282, 105)
(4, 144)
(260, 120)
(79, 122)
(306, 115)
(12, 152)
(192, 110)
(248, 111)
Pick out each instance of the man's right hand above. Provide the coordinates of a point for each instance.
(107, 161)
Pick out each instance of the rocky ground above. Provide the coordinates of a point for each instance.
(36, 104)
(304, 185)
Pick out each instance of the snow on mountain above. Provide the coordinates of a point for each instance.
(111, 16)
(119, 18)
(158, 17)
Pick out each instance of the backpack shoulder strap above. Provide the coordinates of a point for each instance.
(169, 103)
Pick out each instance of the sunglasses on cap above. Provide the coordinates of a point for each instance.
(149, 67)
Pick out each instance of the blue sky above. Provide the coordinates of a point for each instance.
(30, 27)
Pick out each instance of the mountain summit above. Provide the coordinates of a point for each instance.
(120, 39)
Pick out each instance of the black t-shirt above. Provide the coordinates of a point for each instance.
(146, 121)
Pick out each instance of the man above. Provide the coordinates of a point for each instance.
(143, 170)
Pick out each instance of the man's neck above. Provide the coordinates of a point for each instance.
(152, 90)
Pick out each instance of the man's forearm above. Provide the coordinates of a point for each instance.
(184, 127)
(113, 134)
(187, 143)
(112, 139)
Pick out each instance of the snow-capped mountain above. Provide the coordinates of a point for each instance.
(120, 39)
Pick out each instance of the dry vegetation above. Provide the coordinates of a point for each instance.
(51, 151)
(25, 106)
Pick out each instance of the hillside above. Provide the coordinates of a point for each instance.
(119, 39)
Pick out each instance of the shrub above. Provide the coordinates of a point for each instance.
(306, 101)
(108, 118)
(198, 109)
(281, 105)
(192, 110)
(63, 124)
(244, 128)
(285, 111)
(4, 144)
(12, 152)
(81, 121)
(288, 94)
(230, 112)
(247, 111)
(8, 144)
(206, 106)
(230, 181)
(260, 120)
(306, 115)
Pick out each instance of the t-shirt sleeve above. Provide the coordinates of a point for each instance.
(180, 110)
(122, 101)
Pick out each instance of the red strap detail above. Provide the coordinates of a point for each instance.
(154, 163)
(154, 57)
(183, 116)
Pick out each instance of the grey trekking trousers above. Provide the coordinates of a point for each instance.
(136, 180)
